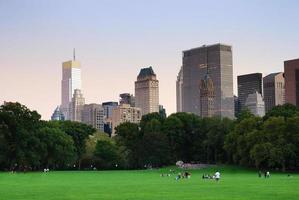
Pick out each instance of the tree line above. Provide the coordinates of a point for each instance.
(29, 143)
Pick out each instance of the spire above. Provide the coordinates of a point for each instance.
(74, 54)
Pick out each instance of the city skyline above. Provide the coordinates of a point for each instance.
(37, 37)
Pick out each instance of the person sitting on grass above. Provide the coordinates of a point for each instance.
(217, 176)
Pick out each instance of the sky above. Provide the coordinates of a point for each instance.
(115, 38)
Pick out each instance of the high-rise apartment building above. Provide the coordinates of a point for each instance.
(291, 75)
(255, 104)
(147, 91)
(76, 106)
(218, 59)
(93, 114)
(125, 113)
(248, 84)
(274, 90)
(71, 80)
(179, 84)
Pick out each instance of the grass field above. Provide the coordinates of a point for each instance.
(236, 184)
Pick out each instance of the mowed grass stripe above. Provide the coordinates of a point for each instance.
(236, 183)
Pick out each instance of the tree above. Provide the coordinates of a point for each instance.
(106, 155)
(128, 139)
(57, 150)
(286, 111)
(79, 133)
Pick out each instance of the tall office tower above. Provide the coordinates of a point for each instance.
(291, 76)
(93, 114)
(127, 98)
(218, 58)
(179, 84)
(207, 97)
(76, 106)
(57, 115)
(255, 104)
(274, 92)
(108, 107)
(248, 84)
(125, 113)
(147, 91)
(71, 80)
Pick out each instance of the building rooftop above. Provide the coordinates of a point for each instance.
(206, 46)
(272, 75)
(144, 72)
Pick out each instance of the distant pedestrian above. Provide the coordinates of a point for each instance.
(268, 174)
(217, 176)
(265, 174)
(260, 174)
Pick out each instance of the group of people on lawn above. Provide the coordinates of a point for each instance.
(216, 176)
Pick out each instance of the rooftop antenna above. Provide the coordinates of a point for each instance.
(74, 54)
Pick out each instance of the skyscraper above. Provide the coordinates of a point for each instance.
(76, 106)
(274, 92)
(291, 75)
(218, 58)
(71, 80)
(255, 104)
(179, 84)
(147, 91)
(248, 84)
(93, 114)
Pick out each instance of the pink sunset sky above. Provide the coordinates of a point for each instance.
(114, 39)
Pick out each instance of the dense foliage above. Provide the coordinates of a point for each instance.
(28, 143)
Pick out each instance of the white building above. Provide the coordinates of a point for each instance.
(76, 106)
(71, 80)
(255, 104)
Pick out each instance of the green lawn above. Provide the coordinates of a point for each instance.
(147, 185)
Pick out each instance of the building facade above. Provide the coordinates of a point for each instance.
(291, 75)
(147, 91)
(71, 80)
(108, 108)
(93, 114)
(179, 84)
(218, 58)
(237, 106)
(207, 97)
(248, 84)
(125, 113)
(76, 106)
(255, 104)
(274, 90)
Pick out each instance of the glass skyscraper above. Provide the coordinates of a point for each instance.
(71, 80)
